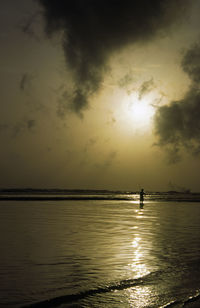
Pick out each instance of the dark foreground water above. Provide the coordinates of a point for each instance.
(99, 253)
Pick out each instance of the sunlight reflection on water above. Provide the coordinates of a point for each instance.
(138, 266)
(139, 297)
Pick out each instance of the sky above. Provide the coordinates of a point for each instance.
(100, 94)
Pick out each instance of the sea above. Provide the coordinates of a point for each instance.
(78, 248)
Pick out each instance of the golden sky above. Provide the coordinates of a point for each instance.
(100, 94)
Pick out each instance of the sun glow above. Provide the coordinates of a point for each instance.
(139, 112)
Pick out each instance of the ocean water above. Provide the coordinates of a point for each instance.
(106, 252)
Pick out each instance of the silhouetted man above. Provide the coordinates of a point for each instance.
(142, 195)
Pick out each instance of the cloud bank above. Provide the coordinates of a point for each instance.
(177, 125)
(94, 30)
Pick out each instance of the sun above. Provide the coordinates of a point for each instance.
(139, 112)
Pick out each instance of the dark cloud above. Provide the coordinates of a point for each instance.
(93, 30)
(191, 63)
(177, 125)
(71, 102)
(25, 81)
(62, 107)
(146, 87)
(27, 25)
(22, 126)
(18, 128)
(31, 124)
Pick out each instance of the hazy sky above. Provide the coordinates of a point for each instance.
(100, 94)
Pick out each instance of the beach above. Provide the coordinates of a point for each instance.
(99, 253)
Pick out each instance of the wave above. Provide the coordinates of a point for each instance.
(184, 303)
(63, 194)
(66, 299)
(148, 198)
(122, 285)
(117, 286)
(62, 198)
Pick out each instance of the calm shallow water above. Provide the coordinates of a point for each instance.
(106, 253)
